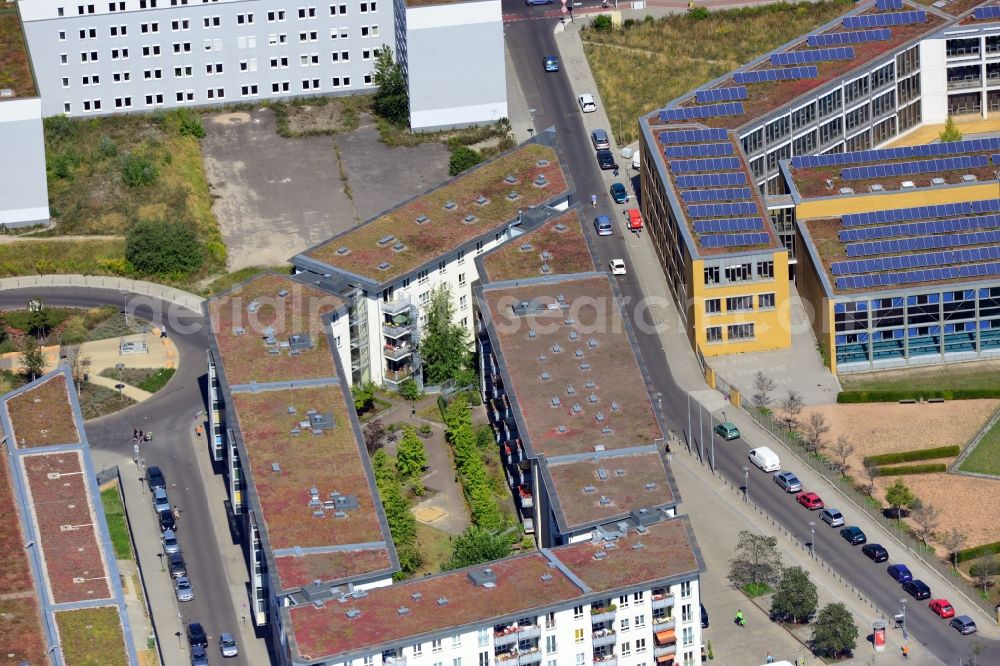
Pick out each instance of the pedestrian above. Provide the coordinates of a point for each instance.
(740, 620)
(770, 659)
(135, 434)
(140, 434)
(906, 651)
(413, 411)
(616, 171)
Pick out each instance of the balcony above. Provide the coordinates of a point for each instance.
(397, 329)
(611, 660)
(664, 651)
(394, 661)
(604, 637)
(513, 634)
(667, 623)
(397, 352)
(525, 495)
(965, 82)
(602, 614)
(394, 377)
(662, 601)
(532, 657)
(397, 306)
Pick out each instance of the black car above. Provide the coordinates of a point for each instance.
(704, 616)
(854, 535)
(167, 521)
(154, 477)
(875, 551)
(606, 159)
(917, 589)
(196, 635)
(177, 566)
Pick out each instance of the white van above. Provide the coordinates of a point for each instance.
(636, 161)
(765, 459)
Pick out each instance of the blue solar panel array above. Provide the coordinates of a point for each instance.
(730, 94)
(723, 209)
(707, 111)
(919, 243)
(886, 154)
(856, 37)
(909, 168)
(908, 261)
(734, 240)
(924, 275)
(728, 225)
(921, 213)
(991, 12)
(712, 180)
(763, 75)
(699, 150)
(819, 55)
(883, 20)
(917, 228)
(693, 136)
(710, 164)
(731, 194)
(996, 160)
(888, 5)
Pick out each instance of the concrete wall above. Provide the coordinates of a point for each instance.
(933, 81)
(24, 194)
(455, 64)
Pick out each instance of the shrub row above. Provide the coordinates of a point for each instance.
(927, 468)
(911, 456)
(471, 469)
(402, 524)
(916, 394)
(978, 551)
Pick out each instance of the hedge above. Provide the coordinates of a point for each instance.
(911, 456)
(978, 551)
(896, 396)
(928, 468)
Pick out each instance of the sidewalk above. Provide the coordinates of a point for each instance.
(105, 354)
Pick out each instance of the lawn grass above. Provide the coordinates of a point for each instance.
(938, 378)
(434, 546)
(92, 637)
(985, 458)
(150, 380)
(83, 257)
(114, 326)
(642, 67)
(98, 401)
(114, 511)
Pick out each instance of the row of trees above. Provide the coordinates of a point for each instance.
(472, 473)
(402, 524)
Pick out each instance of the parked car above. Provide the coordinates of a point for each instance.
(727, 431)
(160, 500)
(196, 635)
(175, 562)
(551, 63)
(876, 552)
(788, 482)
(603, 226)
(942, 607)
(617, 266)
(606, 159)
(198, 656)
(964, 624)
(155, 479)
(170, 542)
(183, 589)
(537, 2)
(917, 589)
(811, 501)
(600, 139)
(167, 521)
(704, 616)
(899, 573)
(587, 103)
(832, 517)
(227, 645)
(766, 459)
(853, 535)
(618, 193)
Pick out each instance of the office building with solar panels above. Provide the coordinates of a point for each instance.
(895, 252)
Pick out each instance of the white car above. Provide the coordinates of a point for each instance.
(227, 645)
(587, 103)
(617, 266)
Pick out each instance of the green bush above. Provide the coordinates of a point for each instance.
(63, 164)
(847, 397)
(107, 147)
(408, 390)
(698, 13)
(911, 456)
(905, 470)
(59, 127)
(978, 551)
(462, 159)
(74, 332)
(163, 248)
(602, 23)
(138, 170)
(189, 124)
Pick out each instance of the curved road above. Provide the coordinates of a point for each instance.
(554, 101)
(171, 415)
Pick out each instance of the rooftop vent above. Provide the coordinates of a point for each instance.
(570, 390)
(607, 430)
(577, 408)
(650, 486)
(343, 249)
(442, 601)
(384, 266)
(598, 448)
(561, 428)
(937, 180)
(545, 255)
(353, 614)
(561, 299)
(615, 407)
(573, 335)
(513, 196)
(527, 247)
(907, 184)
(402, 610)
(542, 358)
(469, 219)
(322, 422)
(450, 205)
(422, 219)
(385, 240)
(545, 269)
(239, 330)
(569, 322)
(847, 190)
(556, 401)
(6, 92)
(253, 306)
(561, 228)
(600, 555)
(589, 489)
(532, 333)
(585, 366)
(483, 578)
(875, 187)
(638, 545)
(592, 343)
(592, 397)
(602, 474)
(416, 596)
(545, 376)
(546, 577)
(578, 353)
(541, 181)
(591, 384)
(556, 348)
(282, 293)
(275, 467)
(481, 200)
(299, 342)
(543, 163)
(291, 409)
(510, 178)
(600, 417)
(829, 184)
(620, 471)
(969, 178)
(399, 246)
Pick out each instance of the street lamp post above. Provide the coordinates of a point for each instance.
(121, 385)
(746, 483)
(903, 602)
(124, 293)
(812, 539)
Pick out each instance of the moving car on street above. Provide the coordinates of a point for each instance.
(551, 63)
(602, 225)
(617, 266)
(227, 645)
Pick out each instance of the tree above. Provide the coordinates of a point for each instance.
(899, 495)
(791, 407)
(984, 570)
(757, 562)
(411, 457)
(402, 524)
(950, 131)
(38, 319)
(602, 23)
(444, 344)
(373, 433)
(841, 451)
(392, 101)
(408, 390)
(163, 248)
(869, 474)
(364, 395)
(476, 545)
(79, 366)
(953, 540)
(796, 596)
(463, 159)
(814, 431)
(32, 358)
(925, 518)
(763, 386)
(834, 633)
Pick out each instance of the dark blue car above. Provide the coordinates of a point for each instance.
(899, 573)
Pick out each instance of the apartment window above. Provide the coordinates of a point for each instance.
(368, 79)
(463, 301)
(713, 334)
(738, 273)
(623, 601)
(211, 21)
(626, 648)
(213, 68)
(123, 102)
(637, 597)
(436, 645)
(739, 303)
(119, 54)
(154, 99)
(369, 31)
(88, 56)
(182, 47)
(338, 9)
(775, 130)
(307, 12)
(280, 86)
(686, 613)
(765, 270)
(484, 659)
(831, 131)
(829, 103)
(775, 156)
(740, 332)
(581, 659)
(147, 28)
(66, 107)
(92, 106)
(550, 644)
(422, 277)
(147, 4)
(713, 306)
(640, 621)
(307, 59)
(65, 82)
(94, 80)
(248, 65)
(483, 637)
(150, 51)
(640, 645)
(425, 297)
(711, 275)
(279, 63)
(149, 74)
(311, 36)
(367, 7)
(244, 19)
(418, 649)
(753, 142)
(63, 58)
(456, 641)
(276, 16)
(216, 93)
(119, 30)
(855, 90)
(185, 95)
(274, 40)
(686, 585)
(805, 144)
(118, 77)
(804, 116)
(182, 24)
(550, 620)
(578, 635)
(764, 302)
(687, 635)
(247, 91)
(623, 624)
(62, 34)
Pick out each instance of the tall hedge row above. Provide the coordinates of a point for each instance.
(471, 469)
(911, 456)
(916, 394)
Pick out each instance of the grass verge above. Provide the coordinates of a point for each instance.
(973, 376)
(985, 458)
(754, 590)
(434, 546)
(150, 380)
(629, 64)
(40, 257)
(114, 511)
(98, 401)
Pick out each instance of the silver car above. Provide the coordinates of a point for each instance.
(227, 645)
(183, 589)
(160, 500)
(788, 481)
(832, 517)
(170, 542)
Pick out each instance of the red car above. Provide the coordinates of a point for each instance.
(810, 501)
(942, 607)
